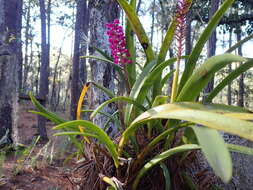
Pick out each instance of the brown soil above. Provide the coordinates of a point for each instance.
(43, 176)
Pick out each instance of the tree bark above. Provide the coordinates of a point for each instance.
(102, 73)
(83, 48)
(27, 29)
(229, 93)
(44, 70)
(75, 88)
(188, 45)
(10, 44)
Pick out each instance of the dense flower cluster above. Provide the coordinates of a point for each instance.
(182, 9)
(118, 43)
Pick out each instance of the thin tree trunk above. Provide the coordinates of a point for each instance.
(171, 69)
(241, 79)
(138, 6)
(44, 70)
(75, 90)
(55, 74)
(83, 50)
(38, 74)
(102, 73)
(59, 90)
(188, 45)
(153, 22)
(66, 97)
(27, 29)
(211, 45)
(19, 45)
(10, 26)
(229, 93)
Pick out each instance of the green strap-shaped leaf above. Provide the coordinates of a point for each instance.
(109, 93)
(101, 135)
(199, 79)
(240, 149)
(118, 68)
(189, 181)
(166, 175)
(162, 55)
(157, 159)
(102, 59)
(103, 53)
(167, 41)
(166, 78)
(240, 43)
(130, 44)
(233, 75)
(203, 117)
(75, 133)
(103, 113)
(216, 108)
(138, 29)
(50, 115)
(136, 90)
(194, 56)
(215, 151)
(115, 99)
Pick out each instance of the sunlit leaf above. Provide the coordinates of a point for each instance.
(215, 151)
(233, 75)
(203, 117)
(199, 79)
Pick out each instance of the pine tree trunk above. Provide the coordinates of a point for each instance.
(27, 29)
(211, 45)
(10, 33)
(44, 70)
(241, 79)
(83, 48)
(229, 94)
(188, 45)
(102, 73)
(75, 88)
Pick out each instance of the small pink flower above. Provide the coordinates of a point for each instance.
(117, 42)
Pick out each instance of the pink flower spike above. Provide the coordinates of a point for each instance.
(116, 21)
(117, 43)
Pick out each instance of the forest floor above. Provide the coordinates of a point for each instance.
(41, 166)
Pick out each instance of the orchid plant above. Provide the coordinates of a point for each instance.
(148, 115)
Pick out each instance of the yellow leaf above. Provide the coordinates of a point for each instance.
(79, 107)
